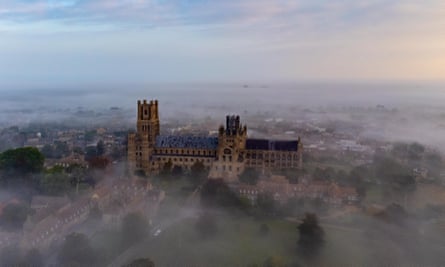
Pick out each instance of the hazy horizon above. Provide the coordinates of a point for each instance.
(299, 94)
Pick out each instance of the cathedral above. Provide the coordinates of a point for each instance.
(226, 156)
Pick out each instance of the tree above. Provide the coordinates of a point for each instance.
(90, 152)
(408, 152)
(206, 225)
(415, 151)
(356, 178)
(311, 236)
(249, 176)
(434, 163)
(399, 150)
(76, 250)
(405, 183)
(177, 171)
(78, 150)
(55, 183)
(198, 173)
(144, 262)
(23, 160)
(135, 228)
(89, 135)
(396, 174)
(100, 148)
(47, 151)
(395, 214)
(61, 150)
(140, 173)
(166, 169)
(14, 216)
(216, 193)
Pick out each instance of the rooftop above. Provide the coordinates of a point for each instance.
(264, 144)
(196, 142)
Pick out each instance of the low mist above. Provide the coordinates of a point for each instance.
(372, 184)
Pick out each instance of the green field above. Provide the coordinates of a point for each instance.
(350, 240)
(237, 243)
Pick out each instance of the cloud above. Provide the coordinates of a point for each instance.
(191, 39)
(287, 15)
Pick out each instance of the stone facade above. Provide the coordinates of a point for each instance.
(226, 156)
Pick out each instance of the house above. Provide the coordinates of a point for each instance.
(281, 190)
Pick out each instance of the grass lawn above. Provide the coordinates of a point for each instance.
(237, 243)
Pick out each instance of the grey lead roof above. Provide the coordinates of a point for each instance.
(197, 142)
(264, 144)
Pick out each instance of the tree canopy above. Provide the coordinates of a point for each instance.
(61, 149)
(23, 160)
(166, 169)
(198, 173)
(55, 182)
(100, 148)
(311, 236)
(215, 192)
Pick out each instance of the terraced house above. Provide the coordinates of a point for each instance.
(226, 155)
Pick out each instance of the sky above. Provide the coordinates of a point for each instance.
(48, 42)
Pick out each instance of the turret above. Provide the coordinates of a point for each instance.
(233, 125)
(141, 148)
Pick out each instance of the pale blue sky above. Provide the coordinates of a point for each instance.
(142, 41)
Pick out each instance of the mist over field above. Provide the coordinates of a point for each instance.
(372, 137)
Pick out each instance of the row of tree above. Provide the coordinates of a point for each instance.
(79, 250)
(197, 175)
